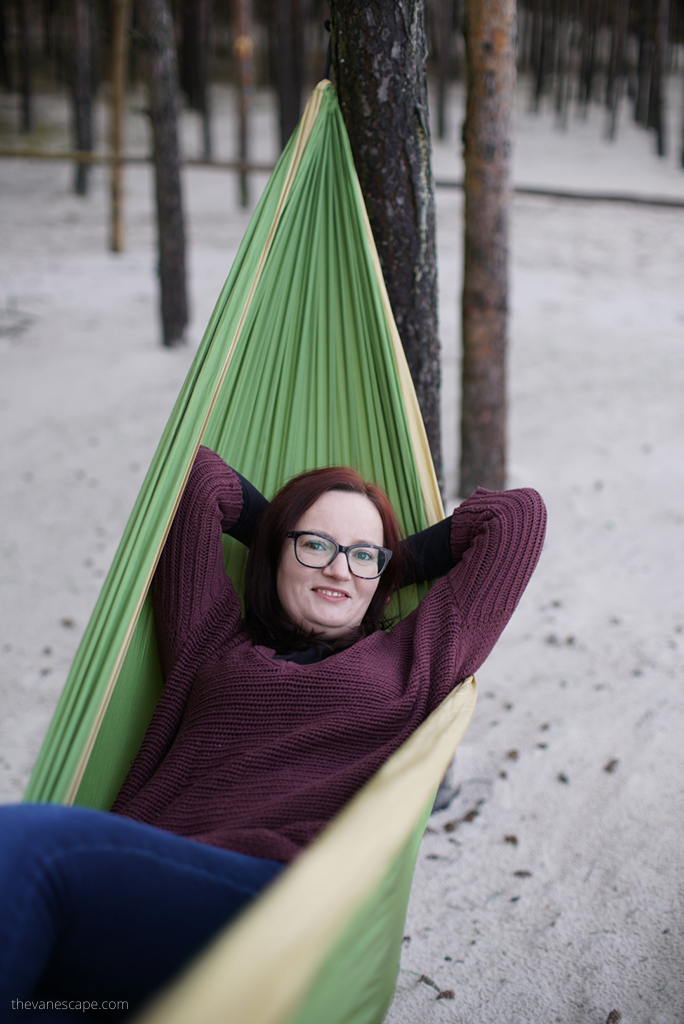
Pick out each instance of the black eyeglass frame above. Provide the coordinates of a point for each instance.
(345, 549)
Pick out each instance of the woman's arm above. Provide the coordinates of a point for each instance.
(496, 541)
(427, 554)
(190, 578)
(253, 504)
(496, 538)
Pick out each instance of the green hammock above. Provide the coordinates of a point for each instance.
(300, 366)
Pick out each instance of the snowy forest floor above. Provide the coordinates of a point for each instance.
(551, 889)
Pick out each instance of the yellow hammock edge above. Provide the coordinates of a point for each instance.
(259, 969)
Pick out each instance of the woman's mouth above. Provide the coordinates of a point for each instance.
(330, 594)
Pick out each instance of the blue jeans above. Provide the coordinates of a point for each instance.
(94, 906)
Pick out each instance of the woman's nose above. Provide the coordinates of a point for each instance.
(339, 567)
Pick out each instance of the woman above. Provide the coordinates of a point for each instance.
(267, 725)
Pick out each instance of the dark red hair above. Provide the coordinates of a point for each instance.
(266, 620)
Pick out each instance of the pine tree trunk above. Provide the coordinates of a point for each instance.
(82, 88)
(590, 27)
(121, 17)
(617, 63)
(378, 61)
(5, 72)
(682, 156)
(157, 26)
(563, 30)
(290, 61)
(642, 104)
(195, 61)
(488, 130)
(25, 54)
(538, 53)
(444, 17)
(656, 105)
(244, 55)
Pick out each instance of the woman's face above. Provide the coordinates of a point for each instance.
(330, 601)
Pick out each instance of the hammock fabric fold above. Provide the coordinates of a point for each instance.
(300, 366)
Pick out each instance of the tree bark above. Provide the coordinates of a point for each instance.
(82, 88)
(157, 26)
(488, 131)
(379, 65)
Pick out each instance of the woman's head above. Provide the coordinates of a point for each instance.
(290, 603)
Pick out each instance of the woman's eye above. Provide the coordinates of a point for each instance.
(314, 545)
(363, 556)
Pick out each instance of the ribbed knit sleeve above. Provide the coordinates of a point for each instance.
(496, 540)
(190, 577)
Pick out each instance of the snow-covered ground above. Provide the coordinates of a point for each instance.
(560, 897)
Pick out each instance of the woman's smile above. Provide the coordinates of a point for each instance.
(331, 595)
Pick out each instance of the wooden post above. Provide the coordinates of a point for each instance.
(121, 11)
(488, 131)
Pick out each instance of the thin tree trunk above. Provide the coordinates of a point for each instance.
(157, 26)
(488, 131)
(195, 61)
(682, 158)
(656, 105)
(290, 60)
(562, 81)
(444, 22)
(49, 14)
(379, 65)
(82, 88)
(25, 55)
(590, 28)
(5, 72)
(538, 54)
(121, 10)
(618, 58)
(244, 53)
(642, 104)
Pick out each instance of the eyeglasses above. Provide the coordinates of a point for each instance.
(315, 550)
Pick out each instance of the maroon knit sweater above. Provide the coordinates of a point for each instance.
(257, 755)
